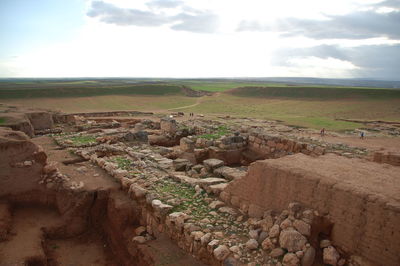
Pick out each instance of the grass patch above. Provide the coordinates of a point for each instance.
(82, 140)
(221, 131)
(123, 163)
(2, 120)
(196, 206)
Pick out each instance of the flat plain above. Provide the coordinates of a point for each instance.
(313, 106)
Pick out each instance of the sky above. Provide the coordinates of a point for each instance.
(200, 38)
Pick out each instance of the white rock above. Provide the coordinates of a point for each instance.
(330, 256)
(139, 239)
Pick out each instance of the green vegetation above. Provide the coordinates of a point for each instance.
(302, 112)
(312, 106)
(221, 131)
(2, 120)
(189, 203)
(85, 91)
(82, 140)
(321, 92)
(109, 102)
(123, 163)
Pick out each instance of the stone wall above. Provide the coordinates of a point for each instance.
(363, 206)
(155, 217)
(168, 126)
(275, 146)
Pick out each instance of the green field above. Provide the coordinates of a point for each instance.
(84, 91)
(307, 106)
(322, 92)
(219, 86)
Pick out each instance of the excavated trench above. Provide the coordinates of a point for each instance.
(55, 224)
(91, 216)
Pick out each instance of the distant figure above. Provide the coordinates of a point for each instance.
(322, 132)
(362, 134)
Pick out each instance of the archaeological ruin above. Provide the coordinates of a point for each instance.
(134, 188)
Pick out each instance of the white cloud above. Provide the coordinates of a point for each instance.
(170, 46)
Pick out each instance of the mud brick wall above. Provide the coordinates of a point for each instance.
(21, 163)
(274, 146)
(387, 157)
(40, 120)
(361, 199)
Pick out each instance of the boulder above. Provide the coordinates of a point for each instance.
(212, 164)
(302, 227)
(168, 125)
(330, 256)
(324, 243)
(218, 188)
(308, 257)
(276, 252)
(221, 252)
(139, 239)
(186, 145)
(205, 239)
(290, 259)
(181, 164)
(229, 173)
(216, 204)
(140, 231)
(267, 244)
(253, 234)
(274, 231)
(228, 210)
(252, 244)
(292, 240)
(136, 136)
(211, 181)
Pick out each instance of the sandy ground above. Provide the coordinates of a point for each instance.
(391, 144)
(92, 176)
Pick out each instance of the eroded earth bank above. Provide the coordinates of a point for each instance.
(131, 188)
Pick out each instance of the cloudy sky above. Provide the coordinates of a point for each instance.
(200, 38)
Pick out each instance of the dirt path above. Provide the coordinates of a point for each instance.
(198, 101)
